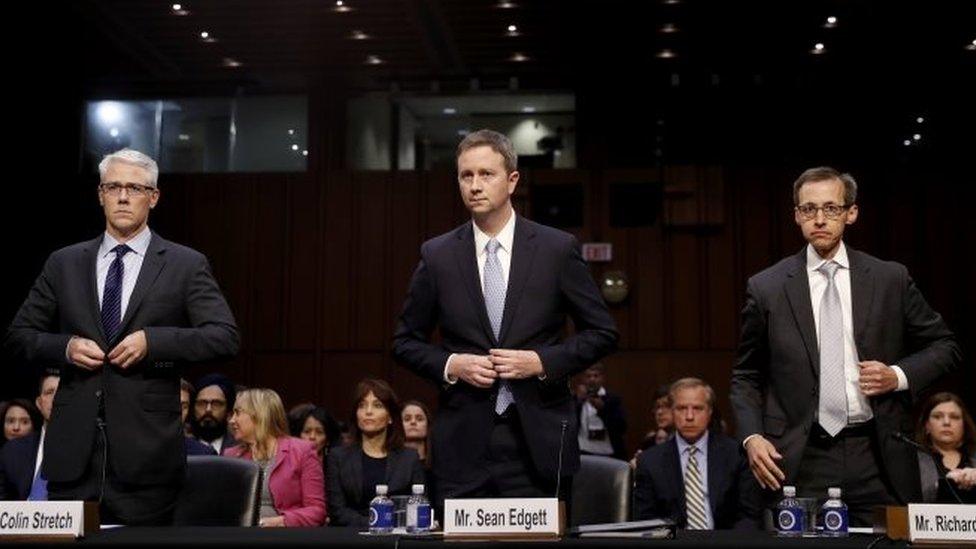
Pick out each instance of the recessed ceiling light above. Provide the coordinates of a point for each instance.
(512, 28)
(528, 109)
(373, 60)
(831, 22)
(183, 137)
(972, 46)
(177, 7)
(818, 48)
(505, 5)
(294, 147)
(358, 35)
(291, 132)
(917, 137)
(450, 110)
(114, 132)
(669, 28)
(341, 6)
(519, 58)
(907, 142)
(232, 63)
(304, 152)
(920, 119)
(204, 35)
(666, 53)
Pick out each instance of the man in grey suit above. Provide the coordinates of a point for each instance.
(121, 314)
(835, 346)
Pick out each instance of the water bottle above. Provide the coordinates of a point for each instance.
(418, 511)
(381, 512)
(833, 515)
(790, 515)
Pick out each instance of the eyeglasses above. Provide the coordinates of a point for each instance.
(216, 404)
(830, 211)
(132, 189)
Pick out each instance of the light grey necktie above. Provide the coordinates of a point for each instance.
(832, 412)
(495, 304)
(694, 495)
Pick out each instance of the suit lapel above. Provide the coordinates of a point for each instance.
(467, 261)
(677, 476)
(152, 265)
(798, 294)
(862, 294)
(356, 471)
(523, 251)
(90, 268)
(714, 476)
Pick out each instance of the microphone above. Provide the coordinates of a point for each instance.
(900, 437)
(559, 467)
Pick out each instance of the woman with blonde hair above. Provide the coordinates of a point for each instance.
(292, 492)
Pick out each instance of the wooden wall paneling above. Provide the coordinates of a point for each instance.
(271, 244)
(336, 288)
(304, 263)
(369, 267)
(290, 374)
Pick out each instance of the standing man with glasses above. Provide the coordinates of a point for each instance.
(121, 314)
(500, 288)
(835, 346)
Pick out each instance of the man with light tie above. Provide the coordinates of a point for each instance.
(835, 346)
(500, 288)
(121, 315)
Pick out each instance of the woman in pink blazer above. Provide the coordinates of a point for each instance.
(292, 492)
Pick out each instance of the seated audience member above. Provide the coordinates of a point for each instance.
(376, 457)
(663, 423)
(211, 405)
(292, 489)
(296, 417)
(346, 435)
(20, 418)
(319, 428)
(192, 446)
(417, 420)
(699, 479)
(947, 430)
(601, 416)
(20, 460)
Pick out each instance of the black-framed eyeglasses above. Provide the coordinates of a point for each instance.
(830, 211)
(132, 189)
(216, 404)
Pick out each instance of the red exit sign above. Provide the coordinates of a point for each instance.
(598, 252)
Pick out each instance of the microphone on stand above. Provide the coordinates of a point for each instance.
(900, 437)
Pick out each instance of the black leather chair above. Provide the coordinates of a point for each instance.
(219, 491)
(601, 491)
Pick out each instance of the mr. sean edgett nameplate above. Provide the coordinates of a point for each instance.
(512, 516)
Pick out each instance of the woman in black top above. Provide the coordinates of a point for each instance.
(946, 429)
(377, 457)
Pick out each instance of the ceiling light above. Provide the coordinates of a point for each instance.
(528, 109)
(818, 48)
(183, 137)
(669, 28)
(374, 60)
(831, 22)
(294, 147)
(972, 46)
(917, 137)
(907, 142)
(204, 35)
(358, 35)
(114, 132)
(920, 119)
(177, 7)
(666, 53)
(519, 58)
(341, 7)
(304, 152)
(512, 28)
(232, 63)
(505, 5)
(450, 110)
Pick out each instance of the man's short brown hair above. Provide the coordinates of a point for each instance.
(498, 143)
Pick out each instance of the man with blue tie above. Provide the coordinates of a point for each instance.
(699, 478)
(121, 315)
(499, 289)
(835, 346)
(20, 459)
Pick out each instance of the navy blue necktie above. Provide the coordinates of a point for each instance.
(112, 295)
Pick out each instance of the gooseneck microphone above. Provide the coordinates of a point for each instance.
(901, 437)
(559, 466)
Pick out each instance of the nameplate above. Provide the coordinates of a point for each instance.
(528, 517)
(941, 522)
(42, 518)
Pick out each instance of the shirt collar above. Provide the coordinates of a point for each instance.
(683, 445)
(814, 261)
(138, 244)
(505, 237)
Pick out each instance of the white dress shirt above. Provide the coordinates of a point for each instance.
(131, 262)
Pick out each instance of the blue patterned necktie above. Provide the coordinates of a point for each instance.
(112, 295)
(832, 411)
(38, 491)
(495, 304)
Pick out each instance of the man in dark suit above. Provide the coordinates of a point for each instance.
(699, 479)
(834, 348)
(20, 459)
(602, 422)
(500, 289)
(121, 313)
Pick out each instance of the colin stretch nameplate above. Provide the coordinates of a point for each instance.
(40, 518)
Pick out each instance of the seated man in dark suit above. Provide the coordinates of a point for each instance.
(20, 459)
(192, 446)
(699, 479)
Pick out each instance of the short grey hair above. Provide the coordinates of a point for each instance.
(133, 157)
(498, 142)
(693, 383)
(826, 173)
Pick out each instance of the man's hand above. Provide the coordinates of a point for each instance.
(129, 351)
(515, 364)
(877, 378)
(85, 353)
(964, 478)
(474, 369)
(596, 401)
(762, 460)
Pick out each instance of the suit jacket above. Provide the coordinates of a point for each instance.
(345, 481)
(178, 304)
(733, 494)
(194, 447)
(548, 282)
(17, 459)
(295, 481)
(775, 381)
(612, 415)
